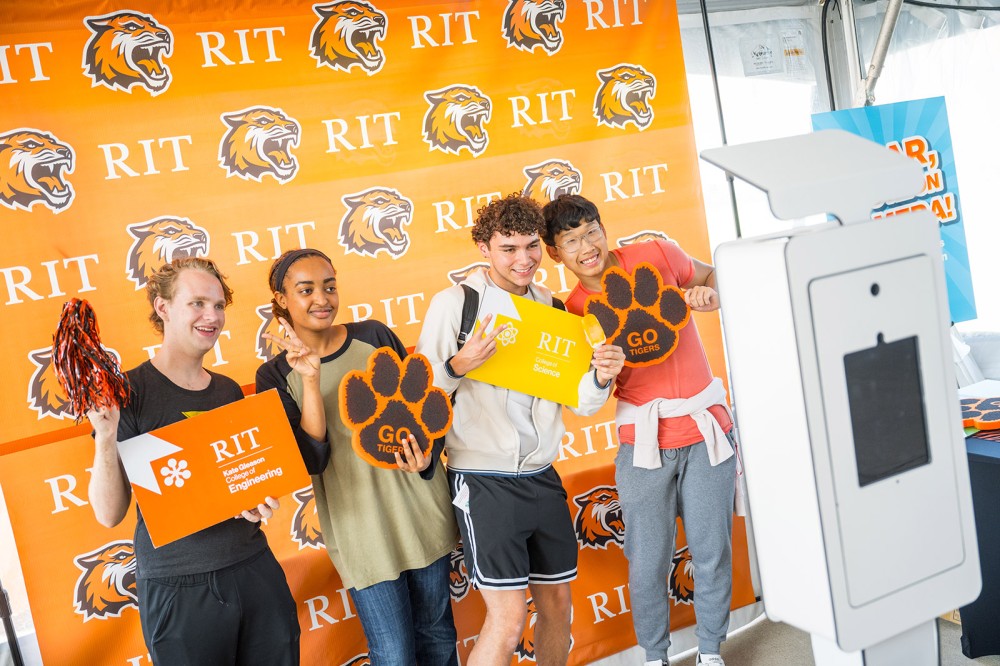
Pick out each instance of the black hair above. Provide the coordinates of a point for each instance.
(276, 276)
(567, 212)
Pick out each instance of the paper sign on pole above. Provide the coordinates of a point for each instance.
(200, 471)
(543, 352)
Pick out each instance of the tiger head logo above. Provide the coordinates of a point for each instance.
(159, 241)
(45, 395)
(374, 222)
(266, 350)
(526, 647)
(680, 584)
(305, 522)
(126, 50)
(107, 585)
(528, 24)
(458, 575)
(258, 143)
(347, 36)
(599, 519)
(551, 179)
(455, 119)
(643, 236)
(458, 276)
(624, 96)
(32, 164)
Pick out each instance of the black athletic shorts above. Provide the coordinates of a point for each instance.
(516, 530)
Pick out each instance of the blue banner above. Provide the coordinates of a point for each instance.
(919, 129)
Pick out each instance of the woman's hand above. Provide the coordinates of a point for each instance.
(413, 459)
(300, 357)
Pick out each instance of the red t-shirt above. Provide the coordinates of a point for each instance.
(684, 373)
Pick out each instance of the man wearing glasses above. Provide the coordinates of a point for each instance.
(685, 466)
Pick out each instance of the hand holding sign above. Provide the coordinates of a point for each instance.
(411, 458)
(388, 404)
(262, 511)
(208, 468)
(639, 314)
(539, 350)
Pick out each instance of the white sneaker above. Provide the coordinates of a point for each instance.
(710, 659)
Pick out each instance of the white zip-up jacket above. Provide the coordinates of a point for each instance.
(482, 439)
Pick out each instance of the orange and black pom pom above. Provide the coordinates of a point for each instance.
(89, 374)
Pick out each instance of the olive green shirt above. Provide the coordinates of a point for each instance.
(376, 522)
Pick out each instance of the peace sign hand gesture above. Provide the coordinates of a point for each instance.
(300, 357)
(478, 348)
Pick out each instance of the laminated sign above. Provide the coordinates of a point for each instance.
(543, 351)
(206, 469)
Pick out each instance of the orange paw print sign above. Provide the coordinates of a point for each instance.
(981, 413)
(388, 402)
(639, 314)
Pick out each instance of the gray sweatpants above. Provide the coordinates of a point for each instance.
(651, 499)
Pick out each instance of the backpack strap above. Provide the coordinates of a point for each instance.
(470, 308)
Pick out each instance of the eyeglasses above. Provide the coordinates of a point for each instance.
(574, 245)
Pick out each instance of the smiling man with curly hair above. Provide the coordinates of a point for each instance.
(510, 502)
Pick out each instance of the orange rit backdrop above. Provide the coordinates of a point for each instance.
(370, 130)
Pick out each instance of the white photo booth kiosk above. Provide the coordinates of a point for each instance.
(845, 396)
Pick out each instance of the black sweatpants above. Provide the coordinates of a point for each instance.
(241, 615)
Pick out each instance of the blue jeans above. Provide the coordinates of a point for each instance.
(409, 620)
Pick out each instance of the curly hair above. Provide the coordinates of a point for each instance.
(514, 214)
(161, 283)
(276, 276)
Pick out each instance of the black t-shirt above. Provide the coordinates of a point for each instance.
(156, 402)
